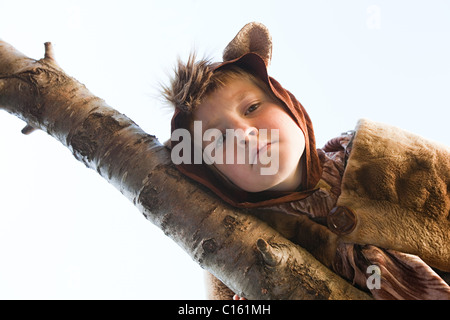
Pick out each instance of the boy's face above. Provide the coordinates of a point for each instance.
(242, 106)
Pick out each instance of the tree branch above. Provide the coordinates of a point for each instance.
(246, 254)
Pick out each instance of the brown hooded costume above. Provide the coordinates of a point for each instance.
(373, 196)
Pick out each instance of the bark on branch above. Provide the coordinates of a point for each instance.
(246, 254)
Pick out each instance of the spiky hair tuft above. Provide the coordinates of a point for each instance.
(190, 83)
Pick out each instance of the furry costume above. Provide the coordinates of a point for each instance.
(398, 185)
(382, 192)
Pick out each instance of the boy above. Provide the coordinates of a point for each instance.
(245, 123)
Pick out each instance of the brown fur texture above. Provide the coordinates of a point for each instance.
(398, 185)
(253, 37)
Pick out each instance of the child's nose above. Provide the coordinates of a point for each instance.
(249, 133)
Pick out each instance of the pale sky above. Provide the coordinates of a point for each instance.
(65, 233)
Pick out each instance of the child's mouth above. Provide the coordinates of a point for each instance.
(263, 149)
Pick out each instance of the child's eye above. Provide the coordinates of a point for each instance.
(252, 108)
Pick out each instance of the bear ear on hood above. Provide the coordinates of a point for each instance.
(253, 37)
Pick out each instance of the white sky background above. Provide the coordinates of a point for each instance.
(65, 233)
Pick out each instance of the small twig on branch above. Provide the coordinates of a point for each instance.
(49, 52)
(271, 256)
(28, 129)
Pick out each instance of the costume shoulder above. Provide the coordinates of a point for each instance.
(397, 184)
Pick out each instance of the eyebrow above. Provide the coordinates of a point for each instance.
(242, 96)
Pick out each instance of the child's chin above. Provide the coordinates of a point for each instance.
(265, 186)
